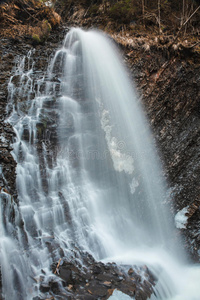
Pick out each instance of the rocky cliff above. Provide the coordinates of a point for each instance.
(167, 78)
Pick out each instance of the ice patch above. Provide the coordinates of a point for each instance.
(117, 295)
(134, 184)
(121, 161)
(3, 139)
(181, 218)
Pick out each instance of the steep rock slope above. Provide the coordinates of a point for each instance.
(167, 77)
(168, 80)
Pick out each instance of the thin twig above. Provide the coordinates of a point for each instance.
(28, 12)
(185, 23)
(57, 267)
(194, 45)
(87, 10)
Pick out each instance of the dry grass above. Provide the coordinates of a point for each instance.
(19, 18)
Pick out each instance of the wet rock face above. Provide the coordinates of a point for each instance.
(10, 51)
(7, 163)
(169, 83)
(87, 279)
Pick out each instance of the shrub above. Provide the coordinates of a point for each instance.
(122, 11)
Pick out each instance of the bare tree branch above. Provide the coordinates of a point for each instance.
(185, 23)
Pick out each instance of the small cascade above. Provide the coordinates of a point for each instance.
(87, 172)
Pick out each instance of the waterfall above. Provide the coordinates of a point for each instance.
(87, 172)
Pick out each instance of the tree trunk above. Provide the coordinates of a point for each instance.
(183, 13)
(143, 11)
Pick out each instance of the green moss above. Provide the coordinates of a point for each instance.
(48, 25)
(36, 38)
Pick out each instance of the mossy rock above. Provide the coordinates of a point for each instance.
(36, 39)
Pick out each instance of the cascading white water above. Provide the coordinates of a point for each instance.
(97, 184)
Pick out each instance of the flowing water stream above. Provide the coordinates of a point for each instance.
(87, 173)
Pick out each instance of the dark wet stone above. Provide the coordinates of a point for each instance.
(25, 135)
(54, 287)
(96, 270)
(96, 289)
(44, 288)
(130, 271)
(82, 282)
(16, 80)
(66, 274)
(105, 277)
(141, 295)
(120, 278)
(107, 284)
(86, 297)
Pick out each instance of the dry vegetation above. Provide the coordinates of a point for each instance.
(33, 18)
(172, 24)
(156, 16)
(27, 18)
